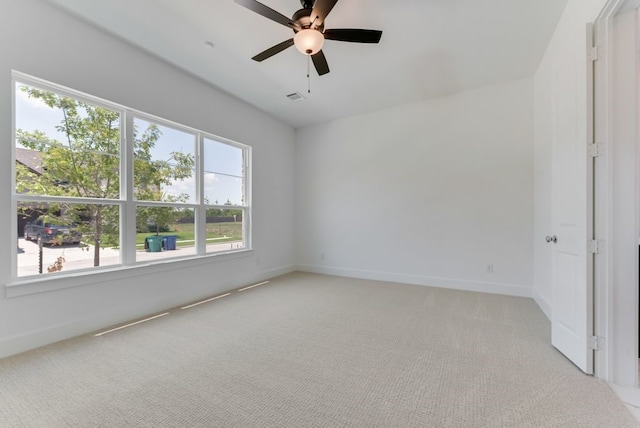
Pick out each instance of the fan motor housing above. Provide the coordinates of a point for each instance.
(302, 17)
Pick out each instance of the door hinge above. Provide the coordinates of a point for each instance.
(595, 246)
(595, 343)
(593, 54)
(596, 150)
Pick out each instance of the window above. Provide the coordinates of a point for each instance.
(85, 199)
(164, 172)
(224, 195)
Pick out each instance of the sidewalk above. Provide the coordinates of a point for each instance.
(79, 257)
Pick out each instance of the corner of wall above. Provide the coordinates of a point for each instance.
(448, 283)
(542, 303)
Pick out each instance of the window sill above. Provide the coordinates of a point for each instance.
(84, 278)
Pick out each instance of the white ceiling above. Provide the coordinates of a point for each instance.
(429, 48)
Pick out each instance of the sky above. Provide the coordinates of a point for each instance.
(222, 162)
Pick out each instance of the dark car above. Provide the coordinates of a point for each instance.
(42, 230)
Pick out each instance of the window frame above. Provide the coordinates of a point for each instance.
(127, 201)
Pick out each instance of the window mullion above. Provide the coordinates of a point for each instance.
(128, 213)
(201, 211)
(246, 188)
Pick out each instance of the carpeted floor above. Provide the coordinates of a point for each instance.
(308, 350)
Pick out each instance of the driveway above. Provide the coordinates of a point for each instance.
(81, 257)
(75, 257)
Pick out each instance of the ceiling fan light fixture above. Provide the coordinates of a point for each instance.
(308, 26)
(309, 41)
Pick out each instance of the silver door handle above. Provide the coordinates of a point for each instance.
(553, 239)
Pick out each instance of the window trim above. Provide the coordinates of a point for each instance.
(127, 202)
(97, 275)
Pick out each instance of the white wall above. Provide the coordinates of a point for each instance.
(428, 193)
(623, 241)
(37, 39)
(566, 51)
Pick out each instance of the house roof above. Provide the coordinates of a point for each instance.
(32, 159)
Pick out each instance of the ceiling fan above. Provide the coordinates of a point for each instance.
(308, 26)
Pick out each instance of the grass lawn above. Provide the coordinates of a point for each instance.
(216, 232)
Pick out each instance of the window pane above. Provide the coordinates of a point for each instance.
(164, 163)
(223, 174)
(73, 236)
(164, 232)
(65, 147)
(225, 230)
(223, 189)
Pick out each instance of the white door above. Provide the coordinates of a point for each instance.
(571, 295)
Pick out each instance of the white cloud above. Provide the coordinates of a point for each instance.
(210, 179)
(179, 187)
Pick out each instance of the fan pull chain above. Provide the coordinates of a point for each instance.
(309, 74)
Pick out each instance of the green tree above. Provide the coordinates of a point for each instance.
(235, 213)
(212, 212)
(86, 163)
(158, 219)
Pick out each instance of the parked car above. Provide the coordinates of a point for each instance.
(46, 232)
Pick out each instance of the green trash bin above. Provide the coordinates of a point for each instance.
(154, 244)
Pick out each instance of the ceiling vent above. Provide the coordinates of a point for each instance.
(296, 96)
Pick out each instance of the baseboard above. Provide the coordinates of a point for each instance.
(628, 394)
(456, 284)
(543, 303)
(52, 334)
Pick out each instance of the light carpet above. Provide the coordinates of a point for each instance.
(308, 350)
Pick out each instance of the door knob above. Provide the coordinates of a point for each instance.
(553, 239)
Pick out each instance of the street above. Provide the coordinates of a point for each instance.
(81, 257)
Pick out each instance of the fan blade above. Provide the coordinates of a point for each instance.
(267, 12)
(320, 11)
(273, 50)
(320, 62)
(353, 35)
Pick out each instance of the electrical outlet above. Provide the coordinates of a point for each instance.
(257, 261)
(490, 268)
(321, 256)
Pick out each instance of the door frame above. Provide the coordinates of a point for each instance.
(613, 362)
